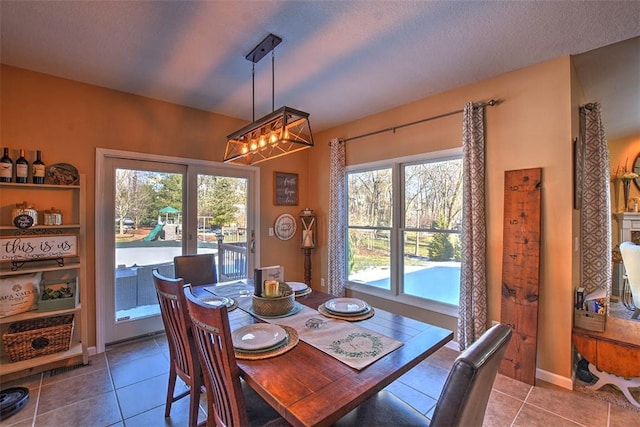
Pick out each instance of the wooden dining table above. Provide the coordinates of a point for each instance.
(308, 387)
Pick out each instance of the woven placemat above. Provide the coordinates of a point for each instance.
(292, 341)
(326, 313)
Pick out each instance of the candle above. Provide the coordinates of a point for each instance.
(307, 238)
(271, 288)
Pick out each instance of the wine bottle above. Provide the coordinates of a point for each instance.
(22, 168)
(37, 169)
(6, 167)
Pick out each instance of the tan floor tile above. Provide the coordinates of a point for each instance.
(155, 417)
(143, 396)
(132, 371)
(96, 363)
(443, 358)
(126, 352)
(569, 404)
(531, 416)
(99, 410)
(511, 387)
(73, 389)
(501, 410)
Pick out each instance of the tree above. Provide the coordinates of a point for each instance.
(440, 247)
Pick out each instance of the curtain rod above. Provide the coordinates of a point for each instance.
(490, 103)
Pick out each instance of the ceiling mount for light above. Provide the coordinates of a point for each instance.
(281, 132)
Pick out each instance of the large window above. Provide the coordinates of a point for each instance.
(403, 228)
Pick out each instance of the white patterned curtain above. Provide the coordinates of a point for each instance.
(337, 219)
(472, 320)
(595, 222)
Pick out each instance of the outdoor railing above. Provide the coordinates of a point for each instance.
(232, 260)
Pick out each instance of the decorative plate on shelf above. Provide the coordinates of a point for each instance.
(63, 174)
(285, 227)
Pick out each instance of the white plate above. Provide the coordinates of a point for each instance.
(297, 286)
(217, 301)
(258, 336)
(346, 305)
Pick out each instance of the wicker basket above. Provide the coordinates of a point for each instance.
(36, 337)
(275, 306)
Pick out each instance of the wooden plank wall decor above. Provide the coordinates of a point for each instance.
(521, 271)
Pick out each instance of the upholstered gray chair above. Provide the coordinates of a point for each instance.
(197, 269)
(464, 398)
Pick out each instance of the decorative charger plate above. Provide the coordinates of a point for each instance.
(258, 336)
(63, 174)
(353, 318)
(366, 310)
(218, 301)
(346, 305)
(297, 286)
(289, 343)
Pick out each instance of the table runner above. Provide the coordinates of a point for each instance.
(351, 344)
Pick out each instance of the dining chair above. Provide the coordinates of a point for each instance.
(631, 258)
(184, 361)
(230, 402)
(463, 400)
(197, 269)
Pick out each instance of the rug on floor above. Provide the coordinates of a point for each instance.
(608, 393)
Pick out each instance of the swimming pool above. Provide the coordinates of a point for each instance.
(436, 282)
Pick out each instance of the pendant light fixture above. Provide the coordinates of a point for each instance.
(281, 132)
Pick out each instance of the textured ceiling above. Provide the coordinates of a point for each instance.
(339, 60)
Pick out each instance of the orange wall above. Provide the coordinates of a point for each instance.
(68, 120)
(531, 128)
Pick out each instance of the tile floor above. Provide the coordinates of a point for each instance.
(126, 386)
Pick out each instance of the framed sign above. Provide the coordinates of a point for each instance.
(285, 189)
(33, 248)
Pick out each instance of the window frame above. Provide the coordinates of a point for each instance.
(396, 293)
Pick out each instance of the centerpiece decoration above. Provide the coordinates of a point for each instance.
(277, 299)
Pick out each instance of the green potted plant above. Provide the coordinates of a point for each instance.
(58, 295)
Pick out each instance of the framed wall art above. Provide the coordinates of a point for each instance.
(285, 189)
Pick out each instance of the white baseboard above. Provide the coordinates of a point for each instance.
(92, 351)
(541, 374)
(554, 379)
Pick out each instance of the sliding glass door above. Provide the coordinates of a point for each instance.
(148, 212)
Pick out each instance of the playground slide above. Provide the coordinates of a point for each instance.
(153, 234)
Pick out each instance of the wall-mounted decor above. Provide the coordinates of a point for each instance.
(285, 227)
(33, 248)
(285, 189)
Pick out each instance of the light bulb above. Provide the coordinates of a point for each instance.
(244, 149)
(263, 141)
(253, 145)
(273, 138)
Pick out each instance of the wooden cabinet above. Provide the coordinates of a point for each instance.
(616, 350)
(71, 201)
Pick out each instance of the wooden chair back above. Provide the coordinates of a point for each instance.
(212, 334)
(464, 398)
(177, 324)
(197, 269)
